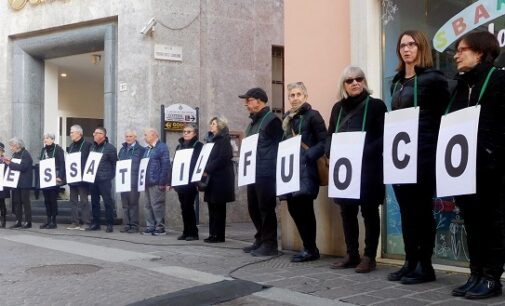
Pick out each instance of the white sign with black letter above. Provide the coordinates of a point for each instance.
(2, 172)
(201, 162)
(180, 167)
(91, 167)
(401, 130)
(11, 177)
(47, 173)
(247, 161)
(457, 152)
(73, 167)
(346, 158)
(124, 175)
(142, 174)
(288, 165)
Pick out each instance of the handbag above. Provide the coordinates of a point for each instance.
(323, 165)
(203, 183)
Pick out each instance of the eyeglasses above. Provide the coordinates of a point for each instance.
(409, 45)
(350, 81)
(462, 49)
(187, 131)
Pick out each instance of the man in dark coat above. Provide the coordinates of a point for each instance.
(131, 149)
(261, 196)
(103, 180)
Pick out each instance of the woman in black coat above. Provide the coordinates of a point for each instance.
(302, 120)
(5, 193)
(52, 150)
(221, 186)
(187, 193)
(358, 111)
(415, 75)
(480, 83)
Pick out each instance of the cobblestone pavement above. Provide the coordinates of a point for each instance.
(62, 267)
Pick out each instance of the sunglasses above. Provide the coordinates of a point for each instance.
(350, 81)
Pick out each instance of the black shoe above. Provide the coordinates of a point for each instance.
(16, 225)
(192, 238)
(93, 227)
(133, 230)
(181, 237)
(470, 283)
(214, 239)
(485, 288)
(109, 229)
(27, 225)
(306, 255)
(252, 247)
(208, 239)
(125, 229)
(265, 250)
(422, 274)
(407, 268)
(51, 226)
(44, 226)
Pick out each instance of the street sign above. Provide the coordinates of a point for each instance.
(174, 126)
(180, 113)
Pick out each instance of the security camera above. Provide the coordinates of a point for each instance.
(148, 27)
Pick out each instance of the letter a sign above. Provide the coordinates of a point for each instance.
(401, 130)
(457, 152)
(346, 158)
(247, 161)
(288, 166)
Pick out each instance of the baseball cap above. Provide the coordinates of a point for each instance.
(256, 93)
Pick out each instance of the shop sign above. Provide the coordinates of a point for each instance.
(471, 17)
(168, 53)
(18, 5)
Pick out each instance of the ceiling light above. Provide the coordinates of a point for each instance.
(96, 58)
(63, 75)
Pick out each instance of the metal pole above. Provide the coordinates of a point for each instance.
(162, 124)
(197, 200)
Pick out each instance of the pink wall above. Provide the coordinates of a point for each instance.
(317, 48)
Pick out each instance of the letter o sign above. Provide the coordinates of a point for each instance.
(342, 162)
(457, 170)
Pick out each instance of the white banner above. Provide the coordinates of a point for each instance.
(401, 131)
(47, 173)
(2, 172)
(142, 174)
(180, 167)
(91, 167)
(73, 167)
(346, 158)
(201, 162)
(457, 152)
(288, 165)
(124, 175)
(247, 161)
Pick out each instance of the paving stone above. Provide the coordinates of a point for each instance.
(402, 302)
(362, 299)
(391, 293)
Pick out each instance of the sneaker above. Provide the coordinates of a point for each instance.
(148, 232)
(133, 230)
(159, 232)
(74, 226)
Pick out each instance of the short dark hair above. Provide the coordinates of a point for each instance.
(101, 128)
(482, 42)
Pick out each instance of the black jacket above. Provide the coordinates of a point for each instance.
(80, 146)
(135, 153)
(308, 123)
(107, 167)
(270, 132)
(372, 188)
(433, 98)
(491, 132)
(197, 148)
(221, 187)
(159, 166)
(25, 168)
(56, 152)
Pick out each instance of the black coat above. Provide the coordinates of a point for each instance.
(372, 187)
(197, 148)
(135, 153)
(491, 131)
(270, 132)
(80, 146)
(433, 98)
(25, 168)
(107, 167)
(221, 187)
(55, 151)
(308, 123)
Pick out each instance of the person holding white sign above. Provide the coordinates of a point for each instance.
(79, 190)
(52, 150)
(481, 83)
(4, 191)
(104, 172)
(221, 184)
(21, 161)
(131, 150)
(358, 111)
(302, 120)
(261, 196)
(417, 84)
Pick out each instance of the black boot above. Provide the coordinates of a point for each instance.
(16, 225)
(52, 224)
(487, 287)
(423, 273)
(407, 268)
(473, 280)
(45, 225)
(2, 221)
(3, 214)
